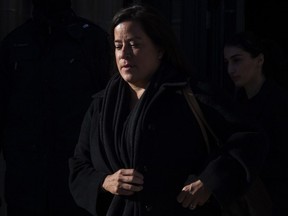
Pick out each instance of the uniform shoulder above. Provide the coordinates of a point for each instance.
(20, 31)
(84, 28)
(89, 25)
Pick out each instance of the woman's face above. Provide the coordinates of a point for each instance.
(136, 56)
(242, 68)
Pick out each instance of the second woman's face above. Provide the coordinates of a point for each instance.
(242, 68)
(136, 56)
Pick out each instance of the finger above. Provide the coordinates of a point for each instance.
(189, 200)
(131, 187)
(131, 180)
(138, 174)
(124, 192)
(181, 196)
(136, 188)
(130, 176)
(130, 172)
(187, 197)
(192, 207)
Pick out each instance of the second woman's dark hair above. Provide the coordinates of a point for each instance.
(254, 45)
(247, 41)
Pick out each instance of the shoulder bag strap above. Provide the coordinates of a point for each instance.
(194, 106)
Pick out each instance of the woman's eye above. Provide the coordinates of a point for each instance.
(133, 44)
(236, 60)
(117, 46)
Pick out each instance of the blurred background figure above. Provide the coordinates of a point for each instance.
(251, 61)
(50, 68)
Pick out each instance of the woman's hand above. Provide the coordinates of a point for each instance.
(193, 194)
(124, 182)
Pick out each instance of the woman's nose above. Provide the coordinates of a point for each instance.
(230, 68)
(126, 52)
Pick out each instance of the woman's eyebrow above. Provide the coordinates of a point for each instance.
(236, 55)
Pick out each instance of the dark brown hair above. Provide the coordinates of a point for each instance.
(157, 29)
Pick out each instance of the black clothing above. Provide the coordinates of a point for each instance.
(269, 110)
(48, 76)
(51, 7)
(162, 140)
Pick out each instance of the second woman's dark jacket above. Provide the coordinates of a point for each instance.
(162, 140)
(269, 108)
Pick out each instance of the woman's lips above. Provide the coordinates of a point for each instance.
(235, 78)
(127, 66)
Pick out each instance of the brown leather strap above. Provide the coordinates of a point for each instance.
(193, 104)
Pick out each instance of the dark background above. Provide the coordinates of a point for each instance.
(201, 26)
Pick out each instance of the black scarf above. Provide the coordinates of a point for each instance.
(120, 129)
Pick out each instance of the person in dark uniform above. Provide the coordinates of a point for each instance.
(50, 68)
(262, 102)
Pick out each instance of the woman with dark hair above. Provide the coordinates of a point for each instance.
(264, 103)
(141, 150)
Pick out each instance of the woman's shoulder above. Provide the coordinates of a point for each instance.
(213, 96)
(98, 95)
(275, 93)
(96, 103)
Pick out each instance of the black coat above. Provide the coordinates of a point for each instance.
(162, 140)
(48, 76)
(269, 110)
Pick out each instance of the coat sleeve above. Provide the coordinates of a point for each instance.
(237, 163)
(84, 181)
(233, 167)
(230, 174)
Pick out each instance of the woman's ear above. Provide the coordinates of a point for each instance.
(260, 59)
(160, 54)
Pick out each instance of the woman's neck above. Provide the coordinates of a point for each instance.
(253, 88)
(136, 94)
